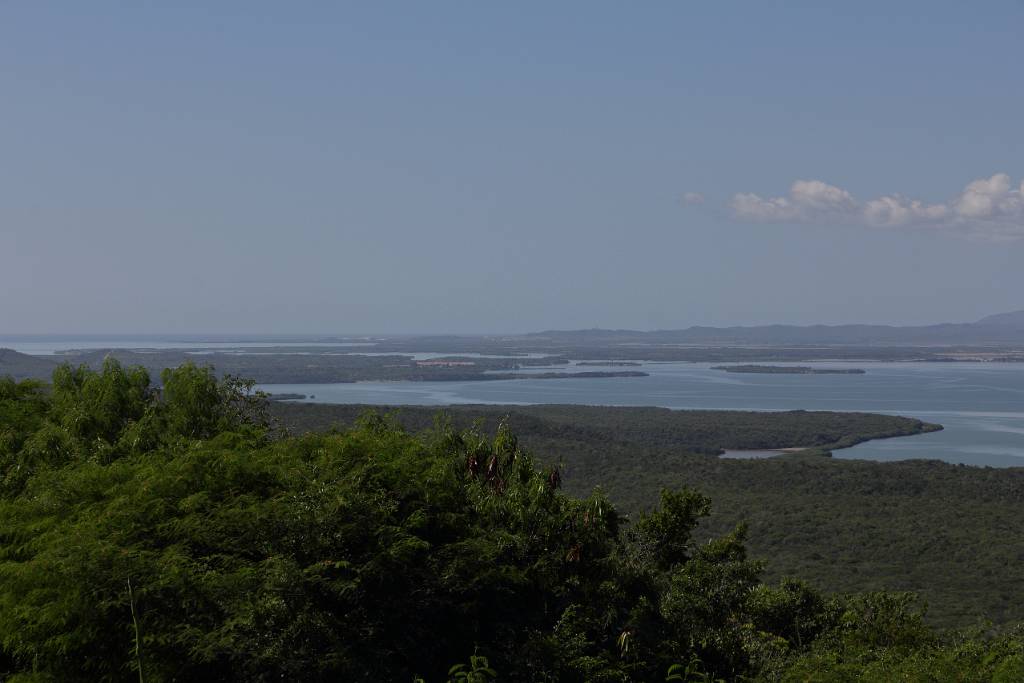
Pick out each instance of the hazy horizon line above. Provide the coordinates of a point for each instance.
(309, 336)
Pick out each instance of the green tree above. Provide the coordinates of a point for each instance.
(169, 534)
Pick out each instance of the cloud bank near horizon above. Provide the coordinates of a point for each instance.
(987, 208)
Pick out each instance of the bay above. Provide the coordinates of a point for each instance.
(981, 405)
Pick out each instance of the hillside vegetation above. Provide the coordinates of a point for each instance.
(175, 535)
(950, 533)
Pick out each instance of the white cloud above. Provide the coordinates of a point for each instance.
(895, 210)
(819, 196)
(991, 199)
(806, 199)
(989, 208)
(692, 198)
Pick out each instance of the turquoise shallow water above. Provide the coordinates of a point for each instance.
(981, 405)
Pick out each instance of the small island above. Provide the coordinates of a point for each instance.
(285, 396)
(610, 363)
(788, 370)
(589, 374)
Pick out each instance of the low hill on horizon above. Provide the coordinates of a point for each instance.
(1012, 319)
(1003, 328)
(23, 366)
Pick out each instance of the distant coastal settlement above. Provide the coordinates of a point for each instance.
(788, 370)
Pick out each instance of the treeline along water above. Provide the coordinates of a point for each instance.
(981, 405)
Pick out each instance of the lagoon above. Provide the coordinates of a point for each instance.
(981, 405)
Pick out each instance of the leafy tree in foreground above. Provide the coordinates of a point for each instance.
(164, 535)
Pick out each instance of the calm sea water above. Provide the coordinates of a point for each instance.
(981, 405)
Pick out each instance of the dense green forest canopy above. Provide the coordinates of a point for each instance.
(176, 535)
(948, 532)
(694, 431)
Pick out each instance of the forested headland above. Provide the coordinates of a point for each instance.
(787, 370)
(181, 533)
(947, 532)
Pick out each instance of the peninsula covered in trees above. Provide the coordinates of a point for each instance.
(180, 534)
(787, 370)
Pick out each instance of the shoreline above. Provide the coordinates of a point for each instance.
(824, 450)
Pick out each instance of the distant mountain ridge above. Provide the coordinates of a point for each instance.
(1014, 319)
(1003, 328)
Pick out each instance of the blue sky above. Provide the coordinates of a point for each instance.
(475, 167)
